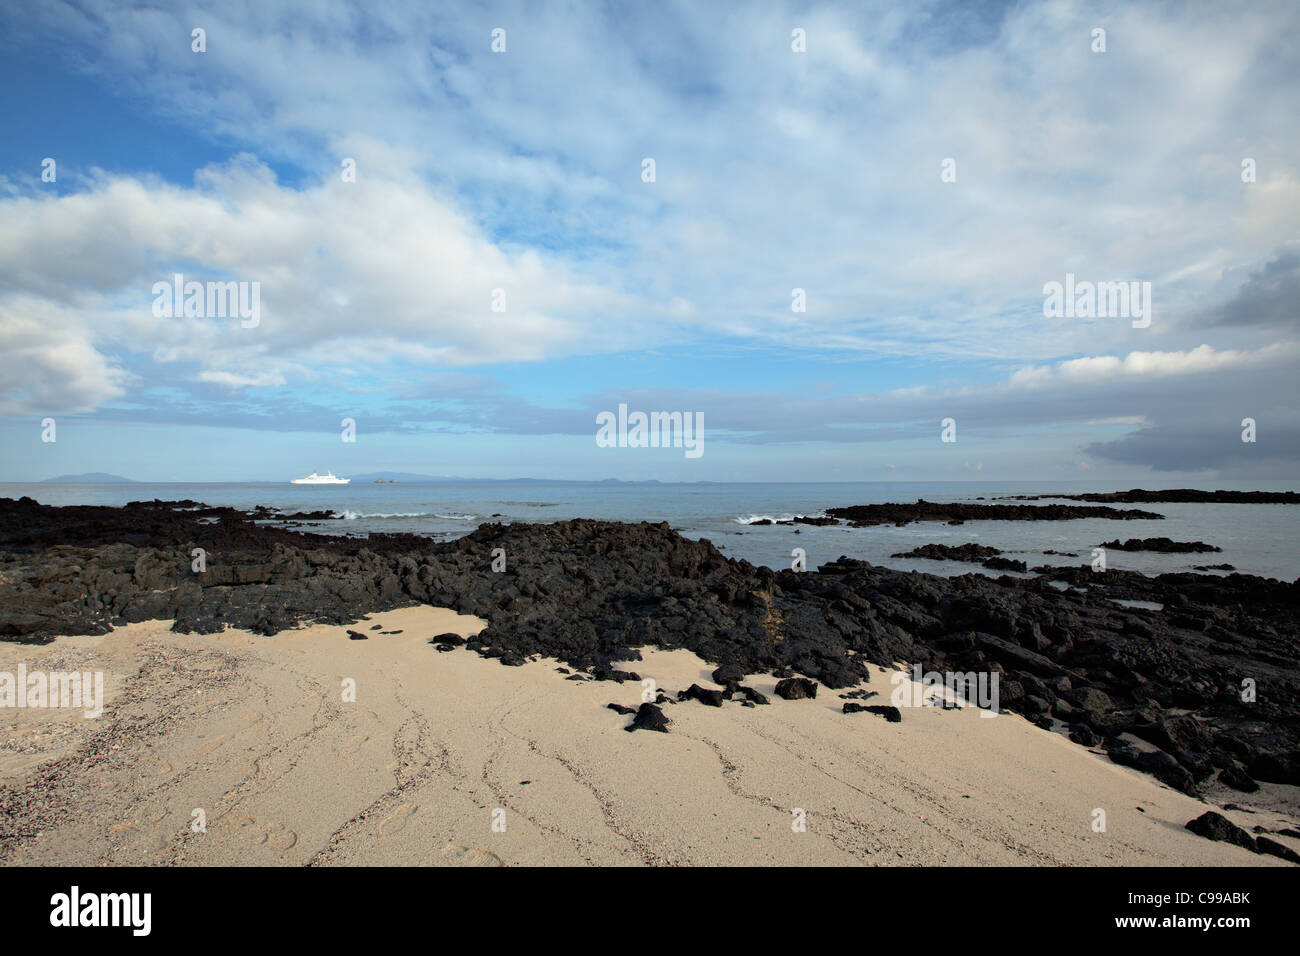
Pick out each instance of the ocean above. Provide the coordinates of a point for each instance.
(1261, 539)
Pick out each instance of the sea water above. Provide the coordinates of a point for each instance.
(1259, 539)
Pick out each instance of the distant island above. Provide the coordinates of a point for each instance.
(91, 478)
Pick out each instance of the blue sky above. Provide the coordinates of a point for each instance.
(775, 170)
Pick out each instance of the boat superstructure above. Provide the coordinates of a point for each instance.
(315, 479)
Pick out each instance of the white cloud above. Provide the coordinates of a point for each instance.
(776, 170)
(780, 169)
(1150, 365)
(364, 272)
(49, 363)
(235, 380)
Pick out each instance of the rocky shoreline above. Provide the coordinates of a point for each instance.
(980, 554)
(865, 516)
(1161, 545)
(1160, 690)
(1173, 496)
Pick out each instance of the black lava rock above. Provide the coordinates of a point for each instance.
(1237, 780)
(796, 688)
(728, 674)
(649, 717)
(864, 516)
(890, 714)
(1083, 735)
(1273, 848)
(1215, 826)
(712, 698)
(1157, 763)
(974, 553)
(1005, 564)
(1163, 545)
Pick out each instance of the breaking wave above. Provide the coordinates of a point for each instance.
(375, 515)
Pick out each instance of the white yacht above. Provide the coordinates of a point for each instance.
(315, 479)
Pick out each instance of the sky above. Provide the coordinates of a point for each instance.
(460, 246)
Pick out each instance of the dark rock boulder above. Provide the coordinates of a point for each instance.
(649, 717)
(1237, 780)
(1215, 826)
(728, 674)
(890, 714)
(1272, 847)
(1276, 767)
(712, 698)
(1157, 763)
(796, 688)
(1083, 735)
(1005, 564)
(1091, 700)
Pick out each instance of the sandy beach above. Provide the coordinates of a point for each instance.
(453, 759)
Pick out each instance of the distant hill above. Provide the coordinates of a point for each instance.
(91, 478)
(396, 475)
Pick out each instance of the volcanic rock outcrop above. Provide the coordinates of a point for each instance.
(1211, 681)
(865, 516)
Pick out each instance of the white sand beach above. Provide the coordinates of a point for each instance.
(438, 747)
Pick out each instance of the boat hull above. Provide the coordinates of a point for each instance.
(315, 479)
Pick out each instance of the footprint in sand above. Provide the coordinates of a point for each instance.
(276, 836)
(397, 819)
(458, 855)
(253, 716)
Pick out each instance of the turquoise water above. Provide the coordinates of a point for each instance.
(1256, 539)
